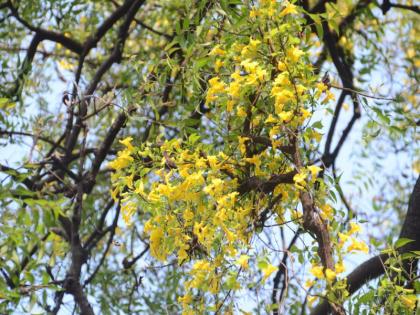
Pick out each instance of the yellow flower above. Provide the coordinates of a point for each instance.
(268, 270)
(123, 160)
(281, 97)
(201, 265)
(343, 238)
(329, 97)
(330, 275)
(127, 143)
(289, 9)
(317, 271)
(314, 170)
(65, 65)
(256, 160)
(326, 212)
(294, 54)
(217, 51)
(234, 89)
(250, 66)
(241, 112)
(354, 228)
(188, 215)
(286, 116)
(296, 215)
(358, 246)
(243, 261)
(217, 65)
(229, 105)
(339, 267)
(185, 300)
(254, 42)
(182, 255)
(128, 180)
(409, 300)
(140, 188)
(229, 235)
(253, 13)
(300, 90)
(156, 246)
(216, 86)
(282, 79)
(305, 113)
(114, 193)
(321, 87)
(242, 145)
(281, 66)
(271, 119)
(127, 211)
(345, 106)
(299, 180)
(411, 53)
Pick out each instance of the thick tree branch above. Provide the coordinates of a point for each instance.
(374, 267)
(313, 223)
(256, 183)
(387, 5)
(43, 34)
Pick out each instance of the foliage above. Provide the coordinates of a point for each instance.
(181, 160)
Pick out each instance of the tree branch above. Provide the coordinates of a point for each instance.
(43, 34)
(374, 267)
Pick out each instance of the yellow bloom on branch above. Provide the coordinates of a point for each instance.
(217, 65)
(123, 160)
(241, 112)
(330, 275)
(242, 144)
(217, 51)
(299, 180)
(343, 238)
(326, 212)
(286, 116)
(268, 270)
(354, 228)
(156, 244)
(243, 261)
(127, 211)
(188, 215)
(339, 267)
(294, 54)
(358, 246)
(215, 87)
(127, 143)
(314, 170)
(317, 271)
(281, 66)
(409, 300)
(271, 120)
(289, 9)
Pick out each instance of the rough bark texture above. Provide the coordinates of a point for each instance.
(374, 267)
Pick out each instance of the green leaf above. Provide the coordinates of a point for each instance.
(317, 125)
(366, 298)
(385, 119)
(402, 241)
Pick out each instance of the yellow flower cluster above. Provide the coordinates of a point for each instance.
(355, 244)
(192, 192)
